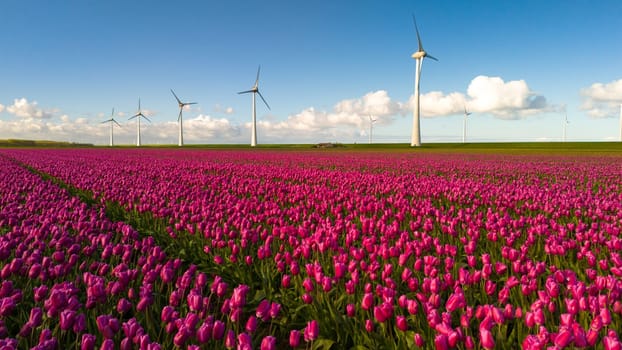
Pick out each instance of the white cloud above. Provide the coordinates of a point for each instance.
(348, 120)
(229, 110)
(24, 109)
(204, 127)
(377, 103)
(602, 100)
(505, 100)
(1, 108)
(435, 103)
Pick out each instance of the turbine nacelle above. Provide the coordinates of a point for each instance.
(418, 55)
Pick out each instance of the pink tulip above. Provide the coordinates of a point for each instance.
(251, 324)
(204, 333)
(275, 308)
(350, 310)
(307, 298)
(307, 284)
(486, 339)
(294, 338)
(401, 323)
(367, 302)
(369, 325)
(286, 281)
(455, 301)
(218, 330)
(238, 299)
(268, 343)
(563, 338)
(230, 341)
(263, 309)
(311, 331)
(440, 342)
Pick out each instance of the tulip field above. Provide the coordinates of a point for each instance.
(309, 249)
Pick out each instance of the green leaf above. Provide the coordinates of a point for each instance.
(322, 343)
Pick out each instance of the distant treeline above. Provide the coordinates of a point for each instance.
(40, 143)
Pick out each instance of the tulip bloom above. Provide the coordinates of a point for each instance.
(367, 302)
(311, 331)
(294, 338)
(268, 343)
(401, 323)
(486, 339)
(238, 299)
(87, 342)
(251, 324)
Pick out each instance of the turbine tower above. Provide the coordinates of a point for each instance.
(464, 124)
(137, 116)
(415, 139)
(565, 124)
(255, 90)
(620, 122)
(111, 121)
(371, 126)
(180, 119)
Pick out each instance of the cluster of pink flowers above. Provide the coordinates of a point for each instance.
(394, 249)
(71, 277)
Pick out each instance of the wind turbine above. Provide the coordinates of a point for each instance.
(255, 90)
(111, 121)
(415, 139)
(464, 124)
(371, 126)
(179, 119)
(565, 124)
(137, 116)
(620, 122)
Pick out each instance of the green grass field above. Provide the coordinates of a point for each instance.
(496, 147)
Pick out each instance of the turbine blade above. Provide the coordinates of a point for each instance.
(106, 121)
(177, 98)
(245, 92)
(263, 99)
(144, 116)
(431, 57)
(418, 36)
(190, 103)
(117, 123)
(139, 104)
(132, 117)
(179, 117)
(112, 114)
(257, 79)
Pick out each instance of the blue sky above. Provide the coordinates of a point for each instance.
(519, 66)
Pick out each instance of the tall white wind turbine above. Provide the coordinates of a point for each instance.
(464, 124)
(415, 139)
(112, 122)
(180, 119)
(138, 115)
(371, 126)
(255, 90)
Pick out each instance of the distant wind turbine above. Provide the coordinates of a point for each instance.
(464, 124)
(137, 116)
(180, 119)
(620, 122)
(255, 90)
(371, 126)
(565, 125)
(415, 139)
(111, 121)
